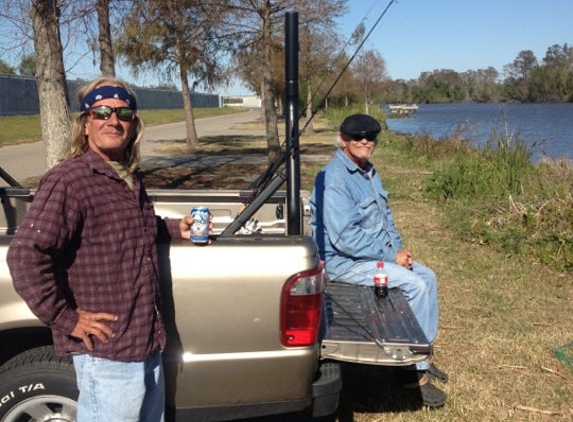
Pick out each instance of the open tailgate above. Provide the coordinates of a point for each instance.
(361, 328)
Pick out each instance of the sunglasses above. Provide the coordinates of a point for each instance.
(104, 112)
(369, 136)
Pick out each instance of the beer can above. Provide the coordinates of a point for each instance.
(200, 227)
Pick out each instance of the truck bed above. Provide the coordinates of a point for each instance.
(361, 328)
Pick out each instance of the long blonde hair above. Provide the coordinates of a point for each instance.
(79, 140)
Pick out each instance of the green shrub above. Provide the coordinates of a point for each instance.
(494, 196)
(498, 170)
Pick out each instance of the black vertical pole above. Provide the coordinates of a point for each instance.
(291, 121)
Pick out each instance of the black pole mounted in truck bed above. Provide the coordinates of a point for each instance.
(291, 122)
(292, 150)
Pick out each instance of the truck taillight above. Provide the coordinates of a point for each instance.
(301, 305)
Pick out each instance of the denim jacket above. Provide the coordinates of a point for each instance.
(351, 221)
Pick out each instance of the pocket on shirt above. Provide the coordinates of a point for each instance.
(369, 213)
(373, 213)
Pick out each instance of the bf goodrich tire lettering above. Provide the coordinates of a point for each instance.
(39, 386)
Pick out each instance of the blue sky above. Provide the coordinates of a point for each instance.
(424, 35)
(416, 36)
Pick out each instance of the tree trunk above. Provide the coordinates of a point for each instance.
(107, 65)
(366, 100)
(191, 138)
(268, 100)
(51, 80)
(310, 127)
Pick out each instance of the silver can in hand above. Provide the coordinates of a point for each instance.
(200, 227)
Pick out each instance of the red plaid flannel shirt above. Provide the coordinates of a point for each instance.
(88, 241)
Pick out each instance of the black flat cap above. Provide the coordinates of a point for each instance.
(360, 124)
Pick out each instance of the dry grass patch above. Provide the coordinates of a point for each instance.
(242, 160)
(500, 323)
(230, 176)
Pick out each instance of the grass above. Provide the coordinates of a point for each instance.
(500, 322)
(502, 314)
(20, 129)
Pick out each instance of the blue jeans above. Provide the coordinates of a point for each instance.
(120, 391)
(418, 286)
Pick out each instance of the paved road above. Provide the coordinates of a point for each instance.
(28, 160)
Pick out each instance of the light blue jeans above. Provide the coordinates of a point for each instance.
(120, 391)
(418, 286)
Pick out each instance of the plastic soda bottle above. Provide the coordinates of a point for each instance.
(380, 281)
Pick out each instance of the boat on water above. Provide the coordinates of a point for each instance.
(402, 109)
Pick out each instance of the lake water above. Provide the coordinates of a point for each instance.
(546, 128)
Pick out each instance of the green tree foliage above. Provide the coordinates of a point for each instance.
(444, 85)
(518, 74)
(551, 81)
(526, 80)
(6, 68)
(481, 85)
(27, 65)
(176, 37)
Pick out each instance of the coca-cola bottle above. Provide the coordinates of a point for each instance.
(380, 281)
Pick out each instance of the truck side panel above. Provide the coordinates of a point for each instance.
(225, 302)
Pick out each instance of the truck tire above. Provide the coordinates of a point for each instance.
(37, 385)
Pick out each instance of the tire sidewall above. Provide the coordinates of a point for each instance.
(20, 383)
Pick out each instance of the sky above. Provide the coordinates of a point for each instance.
(416, 36)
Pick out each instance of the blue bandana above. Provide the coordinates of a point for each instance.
(108, 92)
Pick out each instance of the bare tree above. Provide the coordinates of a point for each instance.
(344, 87)
(318, 48)
(268, 99)
(51, 79)
(259, 23)
(370, 70)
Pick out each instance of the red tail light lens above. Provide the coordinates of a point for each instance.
(301, 305)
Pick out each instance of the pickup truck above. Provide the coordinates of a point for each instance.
(254, 328)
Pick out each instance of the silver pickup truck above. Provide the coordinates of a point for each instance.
(253, 327)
